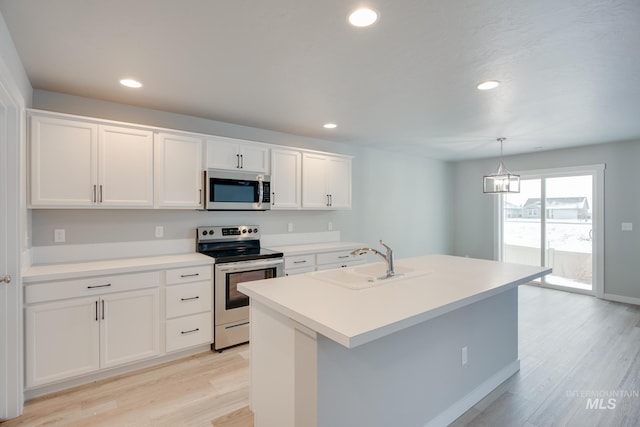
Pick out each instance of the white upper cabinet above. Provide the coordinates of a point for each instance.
(326, 181)
(236, 154)
(64, 162)
(125, 167)
(286, 179)
(80, 164)
(178, 170)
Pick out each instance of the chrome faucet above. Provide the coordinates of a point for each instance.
(388, 258)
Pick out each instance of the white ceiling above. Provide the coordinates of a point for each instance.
(570, 69)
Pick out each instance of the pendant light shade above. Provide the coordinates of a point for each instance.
(502, 180)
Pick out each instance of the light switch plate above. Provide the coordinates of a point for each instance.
(290, 227)
(159, 231)
(627, 226)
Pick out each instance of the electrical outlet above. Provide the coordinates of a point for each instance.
(290, 227)
(330, 226)
(159, 231)
(59, 235)
(464, 356)
(627, 226)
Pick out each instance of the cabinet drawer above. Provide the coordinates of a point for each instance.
(337, 257)
(301, 270)
(90, 286)
(341, 264)
(188, 274)
(189, 331)
(299, 261)
(189, 298)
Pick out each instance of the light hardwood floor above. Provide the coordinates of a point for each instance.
(569, 344)
(209, 389)
(572, 347)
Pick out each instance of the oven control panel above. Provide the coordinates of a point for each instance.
(231, 232)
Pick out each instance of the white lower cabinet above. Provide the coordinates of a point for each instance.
(189, 331)
(129, 327)
(325, 260)
(62, 340)
(69, 338)
(87, 323)
(188, 307)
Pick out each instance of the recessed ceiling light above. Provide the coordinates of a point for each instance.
(330, 126)
(489, 84)
(131, 83)
(363, 17)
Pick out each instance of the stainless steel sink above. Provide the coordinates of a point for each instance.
(366, 276)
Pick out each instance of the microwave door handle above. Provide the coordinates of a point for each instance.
(260, 193)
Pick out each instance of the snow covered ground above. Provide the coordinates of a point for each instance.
(562, 235)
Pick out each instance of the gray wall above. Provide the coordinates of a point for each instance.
(474, 228)
(396, 197)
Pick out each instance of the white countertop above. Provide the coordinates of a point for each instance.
(46, 272)
(311, 248)
(354, 317)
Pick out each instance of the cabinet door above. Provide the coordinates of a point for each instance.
(125, 172)
(254, 157)
(178, 169)
(339, 182)
(62, 340)
(223, 153)
(286, 179)
(129, 327)
(63, 162)
(315, 193)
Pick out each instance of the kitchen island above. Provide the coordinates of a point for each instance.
(338, 348)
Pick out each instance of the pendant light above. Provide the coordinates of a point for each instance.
(502, 180)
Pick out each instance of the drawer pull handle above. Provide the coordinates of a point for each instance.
(96, 311)
(190, 275)
(300, 262)
(343, 256)
(99, 286)
(189, 299)
(189, 332)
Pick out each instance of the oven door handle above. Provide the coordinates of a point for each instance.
(253, 265)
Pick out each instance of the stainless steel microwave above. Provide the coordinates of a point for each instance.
(236, 191)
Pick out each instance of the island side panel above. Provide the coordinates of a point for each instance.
(415, 376)
(283, 361)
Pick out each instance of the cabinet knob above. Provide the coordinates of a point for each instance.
(5, 279)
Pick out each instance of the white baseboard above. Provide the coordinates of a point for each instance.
(620, 298)
(100, 375)
(454, 411)
(103, 251)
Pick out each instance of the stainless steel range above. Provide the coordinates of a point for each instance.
(238, 258)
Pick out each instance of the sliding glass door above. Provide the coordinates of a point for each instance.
(555, 221)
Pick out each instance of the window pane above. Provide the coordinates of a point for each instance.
(522, 230)
(569, 231)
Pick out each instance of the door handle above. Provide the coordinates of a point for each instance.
(237, 161)
(241, 161)
(101, 193)
(95, 200)
(6, 279)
